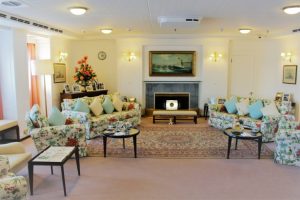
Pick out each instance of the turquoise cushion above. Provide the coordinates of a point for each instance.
(254, 110)
(81, 106)
(56, 118)
(230, 106)
(108, 106)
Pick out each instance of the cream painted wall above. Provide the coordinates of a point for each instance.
(268, 65)
(213, 75)
(58, 45)
(106, 70)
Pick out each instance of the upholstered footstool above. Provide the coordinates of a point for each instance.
(174, 114)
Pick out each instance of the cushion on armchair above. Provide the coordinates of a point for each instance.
(56, 118)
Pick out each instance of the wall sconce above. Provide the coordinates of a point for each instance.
(287, 56)
(62, 56)
(215, 56)
(131, 56)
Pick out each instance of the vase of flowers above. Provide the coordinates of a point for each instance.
(84, 74)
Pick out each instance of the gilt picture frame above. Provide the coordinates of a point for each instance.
(289, 74)
(59, 75)
(172, 63)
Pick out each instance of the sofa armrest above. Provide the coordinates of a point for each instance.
(12, 148)
(136, 106)
(65, 135)
(82, 117)
(14, 187)
(4, 165)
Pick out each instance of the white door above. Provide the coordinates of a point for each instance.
(241, 75)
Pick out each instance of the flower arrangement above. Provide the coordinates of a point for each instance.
(84, 74)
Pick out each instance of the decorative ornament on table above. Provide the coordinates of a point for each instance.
(84, 74)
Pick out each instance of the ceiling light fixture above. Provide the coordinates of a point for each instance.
(106, 31)
(244, 30)
(78, 10)
(291, 10)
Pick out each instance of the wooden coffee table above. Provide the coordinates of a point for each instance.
(53, 156)
(133, 132)
(245, 135)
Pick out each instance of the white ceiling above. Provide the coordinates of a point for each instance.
(221, 18)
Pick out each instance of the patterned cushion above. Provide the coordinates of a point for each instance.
(254, 110)
(242, 107)
(270, 109)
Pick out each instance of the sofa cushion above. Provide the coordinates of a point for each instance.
(118, 104)
(56, 118)
(270, 109)
(81, 106)
(255, 110)
(108, 105)
(242, 107)
(96, 107)
(230, 106)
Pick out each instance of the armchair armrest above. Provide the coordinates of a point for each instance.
(4, 166)
(136, 106)
(82, 117)
(64, 135)
(12, 148)
(14, 187)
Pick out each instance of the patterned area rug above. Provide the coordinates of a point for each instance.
(178, 142)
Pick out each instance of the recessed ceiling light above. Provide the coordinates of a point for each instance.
(106, 31)
(78, 10)
(11, 3)
(291, 10)
(245, 30)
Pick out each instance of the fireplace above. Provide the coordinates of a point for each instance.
(161, 98)
(187, 93)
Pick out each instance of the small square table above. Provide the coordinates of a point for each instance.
(53, 156)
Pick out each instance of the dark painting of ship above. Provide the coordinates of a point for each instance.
(171, 63)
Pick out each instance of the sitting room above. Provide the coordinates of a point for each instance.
(148, 99)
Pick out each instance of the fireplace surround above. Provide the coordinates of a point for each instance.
(190, 89)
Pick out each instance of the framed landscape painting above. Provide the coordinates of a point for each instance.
(289, 74)
(172, 63)
(59, 72)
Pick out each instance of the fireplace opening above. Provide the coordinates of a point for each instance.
(164, 100)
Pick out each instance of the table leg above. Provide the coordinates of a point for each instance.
(259, 147)
(229, 146)
(174, 119)
(195, 119)
(51, 169)
(123, 143)
(134, 145)
(30, 173)
(77, 160)
(153, 119)
(236, 143)
(63, 179)
(104, 145)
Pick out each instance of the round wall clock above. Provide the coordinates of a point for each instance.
(102, 55)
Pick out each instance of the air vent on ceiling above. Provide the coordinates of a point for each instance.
(296, 30)
(40, 25)
(179, 22)
(11, 3)
(3, 15)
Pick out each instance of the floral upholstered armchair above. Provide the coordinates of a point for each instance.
(45, 135)
(287, 143)
(11, 186)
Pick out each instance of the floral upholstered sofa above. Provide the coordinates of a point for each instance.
(95, 125)
(44, 135)
(287, 143)
(267, 125)
(11, 186)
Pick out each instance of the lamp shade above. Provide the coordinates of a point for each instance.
(43, 67)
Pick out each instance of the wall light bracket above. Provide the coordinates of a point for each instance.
(215, 56)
